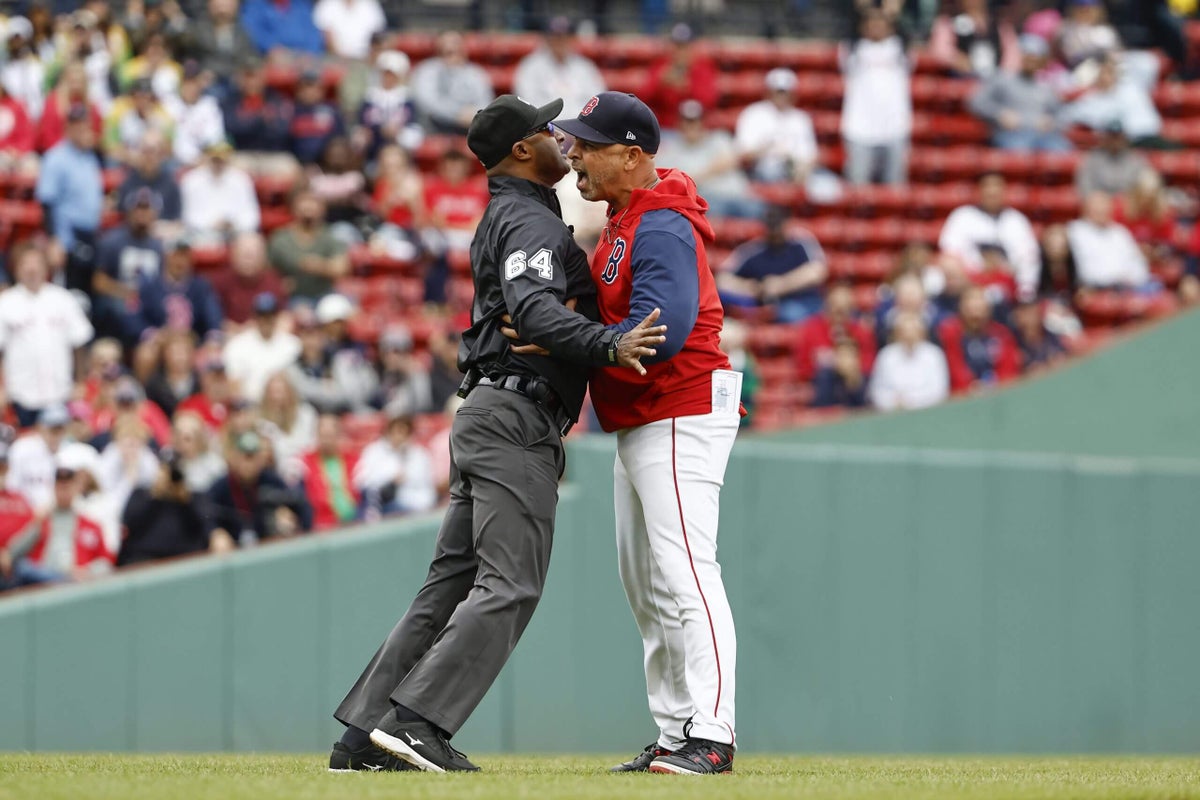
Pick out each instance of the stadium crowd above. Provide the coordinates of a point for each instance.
(235, 239)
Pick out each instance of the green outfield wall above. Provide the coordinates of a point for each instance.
(1137, 397)
(886, 600)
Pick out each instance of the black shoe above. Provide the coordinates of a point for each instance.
(641, 762)
(420, 744)
(696, 757)
(369, 759)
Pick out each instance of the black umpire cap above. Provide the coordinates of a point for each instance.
(615, 118)
(507, 120)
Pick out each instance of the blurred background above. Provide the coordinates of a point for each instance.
(956, 247)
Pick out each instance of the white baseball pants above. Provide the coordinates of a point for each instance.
(668, 478)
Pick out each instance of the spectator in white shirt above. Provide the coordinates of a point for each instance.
(23, 75)
(992, 223)
(775, 138)
(910, 372)
(1105, 252)
(198, 119)
(289, 423)
(41, 327)
(218, 198)
(127, 463)
(877, 105)
(555, 70)
(394, 474)
(92, 502)
(448, 89)
(31, 459)
(262, 349)
(1116, 99)
(348, 25)
(710, 158)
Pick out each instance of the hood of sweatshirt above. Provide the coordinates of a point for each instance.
(675, 190)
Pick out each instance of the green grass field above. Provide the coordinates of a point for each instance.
(289, 777)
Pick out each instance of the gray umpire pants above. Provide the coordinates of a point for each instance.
(488, 569)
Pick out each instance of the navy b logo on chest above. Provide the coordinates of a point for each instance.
(612, 267)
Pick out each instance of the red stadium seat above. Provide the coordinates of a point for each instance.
(734, 56)
(625, 80)
(868, 268)
(275, 217)
(273, 188)
(766, 341)
(416, 45)
(733, 233)
(816, 90)
(739, 88)
(776, 369)
(632, 51)
(808, 57)
(788, 195)
(210, 258)
(866, 298)
(502, 78)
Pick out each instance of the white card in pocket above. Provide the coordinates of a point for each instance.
(726, 391)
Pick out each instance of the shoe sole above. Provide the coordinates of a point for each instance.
(671, 769)
(399, 749)
(339, 771)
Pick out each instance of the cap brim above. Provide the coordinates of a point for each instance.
(582, 131)
(548, 112)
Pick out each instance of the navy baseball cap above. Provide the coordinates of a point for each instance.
(265, 303)
(505, 121)
(615, 118)
(54, 416)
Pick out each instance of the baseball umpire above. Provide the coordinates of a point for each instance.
(493, 548)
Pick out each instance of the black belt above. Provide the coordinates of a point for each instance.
(539, 391)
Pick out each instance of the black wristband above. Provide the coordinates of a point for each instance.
(612, 349)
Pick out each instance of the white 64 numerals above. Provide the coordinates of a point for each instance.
(540, 262)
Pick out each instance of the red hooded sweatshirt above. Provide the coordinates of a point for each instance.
(651, 255)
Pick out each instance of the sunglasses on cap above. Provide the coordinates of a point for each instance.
(548, 128)
(63, 474)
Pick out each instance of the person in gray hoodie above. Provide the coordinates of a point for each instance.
(1023, 113)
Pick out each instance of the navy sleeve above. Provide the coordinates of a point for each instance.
(108, 254)
(665, 276)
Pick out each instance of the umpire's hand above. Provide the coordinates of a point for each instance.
(632, 346)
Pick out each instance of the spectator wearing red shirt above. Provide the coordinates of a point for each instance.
(683, 74)
(15, 513)
(61, 545)
(821, 334)
(979, 350)
(399, 195)
(247, 278)
(327, 477)
(215, 399)
(71, 90)
(1145, 211)
(126, 395)
(104, 357)
(995, 276)
(455, 199)
(16, 134)
(454, 204)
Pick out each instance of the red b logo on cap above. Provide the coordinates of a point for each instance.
(591, 106)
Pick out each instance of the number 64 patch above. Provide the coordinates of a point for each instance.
(541, 262)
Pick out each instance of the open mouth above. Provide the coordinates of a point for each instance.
(581, 179)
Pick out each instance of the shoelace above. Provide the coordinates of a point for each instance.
(452, 749)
